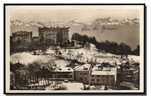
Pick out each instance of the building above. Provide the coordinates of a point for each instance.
(54, 35)
(35, 43)
(35, 39)
(82, 73)
(57, 73)
(99, 74)
(104, 75)
(129, 72)
(20, 41)
(63, 73)
(21, 37)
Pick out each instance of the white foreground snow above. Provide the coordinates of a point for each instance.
(81, 54)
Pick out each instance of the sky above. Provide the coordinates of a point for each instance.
(65, 13)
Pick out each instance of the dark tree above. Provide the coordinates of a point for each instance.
(106, 46)
(124, 49)
(136, 51)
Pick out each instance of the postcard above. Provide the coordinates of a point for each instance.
(74, 48)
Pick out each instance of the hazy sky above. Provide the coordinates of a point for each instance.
(66, 13)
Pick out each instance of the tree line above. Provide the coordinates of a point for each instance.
(106, 46)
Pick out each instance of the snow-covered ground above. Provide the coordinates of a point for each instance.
(27, 58)
(73, 86)
(81, 54)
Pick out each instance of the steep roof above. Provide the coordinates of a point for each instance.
(84, 67)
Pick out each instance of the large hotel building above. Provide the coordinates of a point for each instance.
(54, 35)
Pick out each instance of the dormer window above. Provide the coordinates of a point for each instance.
(85, 68)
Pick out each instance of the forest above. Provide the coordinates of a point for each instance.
(107, 46)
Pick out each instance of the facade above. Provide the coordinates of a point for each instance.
(21, 37)
(20, 40)
(129, 72)
(54, 35)
(104, 75)
(82, 73)
(62, 74)
(35, 39)
(96, 75)
(57, 73)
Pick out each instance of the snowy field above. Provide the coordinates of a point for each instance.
(82, 55)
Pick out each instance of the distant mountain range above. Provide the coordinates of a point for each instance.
(125, 30)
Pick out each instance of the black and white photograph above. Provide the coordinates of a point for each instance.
(74, 48)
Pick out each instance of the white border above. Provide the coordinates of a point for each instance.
(141, 12)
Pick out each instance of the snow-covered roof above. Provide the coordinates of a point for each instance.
(134, 58)
(104, 71)
(84, 67)
(64, 69)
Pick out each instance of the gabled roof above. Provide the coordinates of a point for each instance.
(84, 67)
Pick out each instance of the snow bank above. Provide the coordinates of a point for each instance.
(134, 58)
(61, 63)
(81, 54)
(27, 58)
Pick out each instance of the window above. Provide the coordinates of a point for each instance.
(81, 79)
(84, 73)
(98, 76)
(92, 80)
